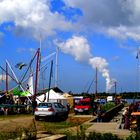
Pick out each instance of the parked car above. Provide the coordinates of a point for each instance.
(83, 106)
(51, 110)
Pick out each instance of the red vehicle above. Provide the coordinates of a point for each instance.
(82, 106)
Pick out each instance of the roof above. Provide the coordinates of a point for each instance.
(52, 96)
(66, 95)
(56, 89)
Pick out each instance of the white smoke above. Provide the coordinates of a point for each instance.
(101, 64)
(79, 48)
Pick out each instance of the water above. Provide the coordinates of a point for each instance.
(129, 101)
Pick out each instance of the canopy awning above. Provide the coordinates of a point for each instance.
(135, 113)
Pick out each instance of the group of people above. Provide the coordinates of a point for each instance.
(14, 104)
(129, 121)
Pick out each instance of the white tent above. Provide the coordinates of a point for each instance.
(53, 97)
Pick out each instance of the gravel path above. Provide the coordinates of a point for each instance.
(109, 127)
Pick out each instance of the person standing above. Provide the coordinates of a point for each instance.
(99, 113)
(34, 105)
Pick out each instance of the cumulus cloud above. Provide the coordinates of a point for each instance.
(117, 18)
(101, 12)
(32, 17)
(79, 48)
(21, 50)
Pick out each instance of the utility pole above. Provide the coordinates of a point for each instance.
(96, 84)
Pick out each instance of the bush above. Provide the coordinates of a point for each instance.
(108, 106)
(81, 135)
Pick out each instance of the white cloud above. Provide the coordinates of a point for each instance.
(77, 46)
(34, 16)
(21, 50)
(124, 32)
(117, 18)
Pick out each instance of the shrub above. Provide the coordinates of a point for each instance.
(81, 135)
(108, 106)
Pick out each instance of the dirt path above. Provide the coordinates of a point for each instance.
(109, 127)
(10, 124)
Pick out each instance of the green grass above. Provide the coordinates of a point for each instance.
(59, 125)
(108, 106)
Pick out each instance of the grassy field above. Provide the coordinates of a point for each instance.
(15, 125)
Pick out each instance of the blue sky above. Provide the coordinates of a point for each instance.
(103, 34)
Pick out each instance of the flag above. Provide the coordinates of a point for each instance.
(20, 65)
(137, 57)
(138, 53)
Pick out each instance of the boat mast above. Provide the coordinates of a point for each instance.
(56, 69)
(50, 80)
(115, 86)
(138, 69)
(39, 73)
(96, 84)
(37, 68)
(6, 78)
